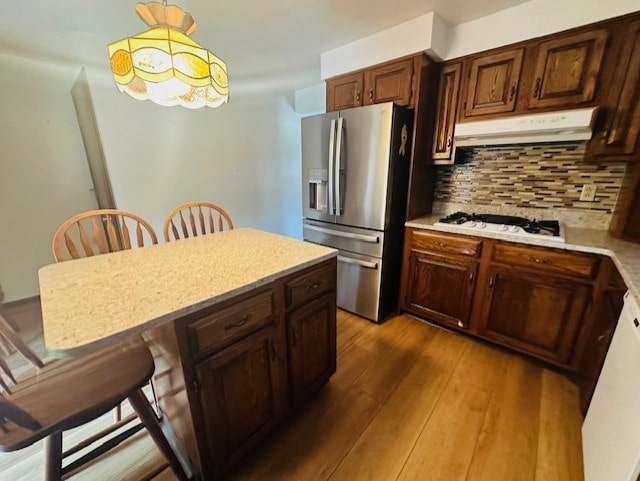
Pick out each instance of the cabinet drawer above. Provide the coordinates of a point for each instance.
(224, 327)
(560, 262)
(423, 240)
(308, 285)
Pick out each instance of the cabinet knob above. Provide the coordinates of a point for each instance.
(461, 324)
(536, 87)
(274, 350)
(492, 281)
(512, 91)
(357, 96)
(538, 260)
(472, 276)
(449, 142)
(371, 94)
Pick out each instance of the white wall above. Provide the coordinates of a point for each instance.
(44, 177)
(244, 156)
(529, 20)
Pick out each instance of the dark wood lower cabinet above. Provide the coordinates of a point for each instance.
(242, 392)
(228, 374)
(311, 332)
(535, 313)
(441, 287)
(555, 305)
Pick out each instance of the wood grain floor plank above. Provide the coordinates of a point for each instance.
(455, 424)
(560, 437)
(388, 369)
(530, 428)
(508, 443)
(317, 454)
(380, 453)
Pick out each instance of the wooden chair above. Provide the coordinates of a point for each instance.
(69, 393)
(194, 219)
(101, 231)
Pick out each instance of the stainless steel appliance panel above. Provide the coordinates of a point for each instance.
(363, 144)
(359, 280)
(317, 147)
(363, 241)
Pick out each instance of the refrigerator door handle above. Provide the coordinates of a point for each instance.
(365, 264)
(338, 165)
(332, 143)
(373, 239)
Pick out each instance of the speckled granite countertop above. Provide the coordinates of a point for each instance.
(96, 300)
(625, 255)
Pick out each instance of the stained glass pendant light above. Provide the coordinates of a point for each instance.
(164, 65)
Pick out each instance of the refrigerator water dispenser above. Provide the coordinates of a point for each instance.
(318, 193)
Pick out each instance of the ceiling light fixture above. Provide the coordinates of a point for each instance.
(164, 65)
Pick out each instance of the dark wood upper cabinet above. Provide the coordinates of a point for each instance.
(566, 70)
(448, 91)
(493, 83)
(617, 137)
(389, 83)
(345, 92)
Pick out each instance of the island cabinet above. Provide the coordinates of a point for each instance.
(311, 331)
(227, 375)
(535, 300)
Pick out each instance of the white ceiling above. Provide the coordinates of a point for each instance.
(277, 41)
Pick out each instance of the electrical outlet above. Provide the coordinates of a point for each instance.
(588, 192)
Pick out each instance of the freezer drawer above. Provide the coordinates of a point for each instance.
(363, 241)
(359, 282)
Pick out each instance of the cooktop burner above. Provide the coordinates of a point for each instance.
(513, 225)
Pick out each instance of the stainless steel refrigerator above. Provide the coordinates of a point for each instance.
(355, 174)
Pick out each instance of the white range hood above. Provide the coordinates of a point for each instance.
(567, 125)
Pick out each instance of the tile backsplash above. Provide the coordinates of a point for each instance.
(531, 181)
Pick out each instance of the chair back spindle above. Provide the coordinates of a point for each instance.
(99, 232)
(195, 219)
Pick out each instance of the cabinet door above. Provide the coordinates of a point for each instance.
(311, 330)
(619, 137)
(493, 83)
(566, 70)
(607, 312)
(345, 92)
(536, 313)
(389, 83)
(441, 288)
(448, 90)
(242, 392)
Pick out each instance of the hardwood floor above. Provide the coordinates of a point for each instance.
(408, 402)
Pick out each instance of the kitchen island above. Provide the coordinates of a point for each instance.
(242, 325)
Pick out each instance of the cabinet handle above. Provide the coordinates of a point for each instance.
(536, 87)
(240, 322)
(512, 91)
(492, 281)
(601, 338)
(313, 286)
(449, 142)
(294, 335)
(371, 95)
(538, 260)
(357, 97)
(461, 324)
(472, 276)
(442, 245)
(274, 350)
